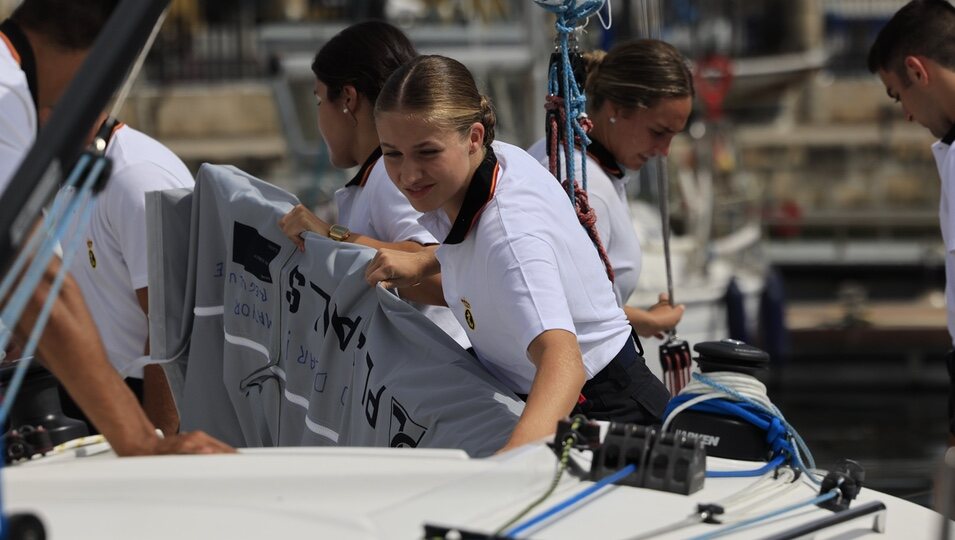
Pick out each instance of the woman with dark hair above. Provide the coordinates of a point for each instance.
(639, 95)
(518, 271)
(349, 72)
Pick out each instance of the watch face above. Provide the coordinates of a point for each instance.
(338, 233)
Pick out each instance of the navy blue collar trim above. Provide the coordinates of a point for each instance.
(604, 158)
(362, 175)
(480, 192)
(949, 137)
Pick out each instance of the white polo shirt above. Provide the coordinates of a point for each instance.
(18, 122)
(111, 262)
(945, 160)
(516, 263)
(607, 193)
(371, 204)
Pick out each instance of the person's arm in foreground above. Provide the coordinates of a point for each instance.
(71, 349)
(560, 377)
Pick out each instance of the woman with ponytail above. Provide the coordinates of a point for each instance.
(639, 95)
(349, 72)
(518, 271)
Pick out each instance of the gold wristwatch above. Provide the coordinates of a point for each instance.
(339, 233)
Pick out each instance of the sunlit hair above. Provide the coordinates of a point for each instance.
(442, 92)
(363, 55)
(637, 74)
(921, 28)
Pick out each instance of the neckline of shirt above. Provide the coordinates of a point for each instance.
(480, 192)
(361, 177)
(949, 137)
(604, 158)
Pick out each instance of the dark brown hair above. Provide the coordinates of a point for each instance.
(923, 28)
(441, 91)
(363, 55)
(70, 24)
(637, 74)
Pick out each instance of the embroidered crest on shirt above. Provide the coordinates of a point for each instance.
(468, 317)
(89, 246)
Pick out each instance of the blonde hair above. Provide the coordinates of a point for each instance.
(442, 92)
(637, 74)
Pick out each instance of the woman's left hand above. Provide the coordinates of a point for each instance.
(299, 220)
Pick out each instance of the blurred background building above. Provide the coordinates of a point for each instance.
(799, 186)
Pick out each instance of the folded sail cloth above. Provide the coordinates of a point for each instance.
(268, 346)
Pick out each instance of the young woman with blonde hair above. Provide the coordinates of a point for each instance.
(518, 271)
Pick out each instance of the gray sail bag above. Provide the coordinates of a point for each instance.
(265, 345)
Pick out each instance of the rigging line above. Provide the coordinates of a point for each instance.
(664, 185)
(24, 256)
(768, 515)
(18, 300)
(600, 17)
(134, 70)
(761, 488)
(572, 500)
(568, 444)
(84, 200)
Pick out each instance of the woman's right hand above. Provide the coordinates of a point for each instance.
(394, 268)
(299, 220)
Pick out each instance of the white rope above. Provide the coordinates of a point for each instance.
(746, 385)
(609, 23)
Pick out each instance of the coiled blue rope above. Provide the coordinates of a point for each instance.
(780, 434)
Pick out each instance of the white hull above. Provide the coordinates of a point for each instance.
(363, 493)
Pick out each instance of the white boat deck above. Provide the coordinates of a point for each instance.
(373, 493)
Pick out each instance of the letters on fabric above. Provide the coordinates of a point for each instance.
(268, 346)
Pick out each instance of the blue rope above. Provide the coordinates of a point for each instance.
(23, 293)
(48, 222)
(54, 224)
(569, 14)
(570, 501)
(778, 430)
(768, 515)
(776, 413)
(775, 462)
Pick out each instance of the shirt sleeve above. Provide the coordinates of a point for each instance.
(126, 213)
(394, 218)
(17, 130)
(529, 292)
(946, 169)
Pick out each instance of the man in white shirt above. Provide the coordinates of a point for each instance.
(113, 274)
(42, 46)
(914, 55)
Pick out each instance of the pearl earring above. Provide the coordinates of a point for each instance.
(613, 119)
(345, 110)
